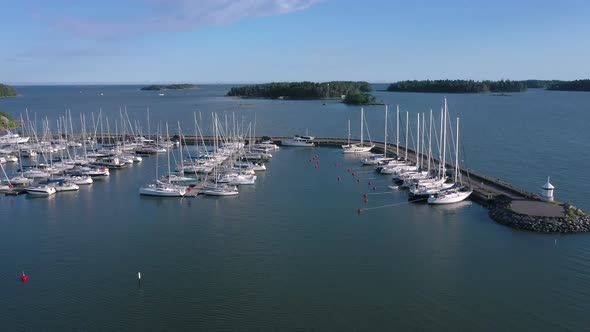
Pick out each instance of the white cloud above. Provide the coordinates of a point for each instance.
(181, 15)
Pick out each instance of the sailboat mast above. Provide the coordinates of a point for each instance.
(385, 135)
(444, 139)
(418, 141)
(349, 132)
(429, 141)
(362, 117)
(423, 147)
(407, 129)
(397, 131)
(457, 155)
(168, 151)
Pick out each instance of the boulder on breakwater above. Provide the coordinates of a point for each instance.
(573, 220)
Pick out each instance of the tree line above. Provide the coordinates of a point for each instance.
(354, 92)
(471, 86)
(577, 85)
(7, 91)
(458, 86)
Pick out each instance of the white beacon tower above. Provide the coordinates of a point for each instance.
(547, 192)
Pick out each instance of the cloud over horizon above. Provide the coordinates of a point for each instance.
(178, 16)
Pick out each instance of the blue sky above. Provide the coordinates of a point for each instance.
(225, 41)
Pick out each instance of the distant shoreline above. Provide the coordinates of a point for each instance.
(170, 87)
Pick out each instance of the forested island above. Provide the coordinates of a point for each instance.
(7, 91)
(170, 87)
(458, 86)
(356, 93)
(470, 86)
(577, 85)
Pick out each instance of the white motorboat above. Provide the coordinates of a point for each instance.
(40, 190)
(301, 141)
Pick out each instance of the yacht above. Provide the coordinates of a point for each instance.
(297, 140)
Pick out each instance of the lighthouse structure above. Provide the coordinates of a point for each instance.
(547, 191)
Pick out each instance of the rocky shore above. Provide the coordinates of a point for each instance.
(573, 221)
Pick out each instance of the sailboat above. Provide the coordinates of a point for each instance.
(357, 148)
(160, 188)
(457, 193)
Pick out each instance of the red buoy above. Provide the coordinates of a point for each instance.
(359, 211)
(339, 178)
(310, 160)
(366, 200)
(349, 170)
(352, 173)
(316, 166)
(358, 180)
(374, 188)
(366, 195)
(369, 183)
(24, 277)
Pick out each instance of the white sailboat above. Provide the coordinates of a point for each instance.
(163, 189)
(459, 192)
(361, 147)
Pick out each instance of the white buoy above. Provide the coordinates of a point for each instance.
(547, 192)
(139, 275)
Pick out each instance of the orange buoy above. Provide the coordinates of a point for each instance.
(24, 277)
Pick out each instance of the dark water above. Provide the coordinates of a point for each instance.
(291, 252)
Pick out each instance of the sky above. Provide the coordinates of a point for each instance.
(250, 41)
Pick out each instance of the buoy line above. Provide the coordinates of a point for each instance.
(384, 206)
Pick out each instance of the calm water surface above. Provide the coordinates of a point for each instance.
(291, 252)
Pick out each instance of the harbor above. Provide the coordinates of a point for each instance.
(508, 204)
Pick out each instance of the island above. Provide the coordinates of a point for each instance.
(7, 91)
(170, 87)
(350, 92)
(458, 86)
(577, 85)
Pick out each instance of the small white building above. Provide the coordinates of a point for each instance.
(547, 192)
